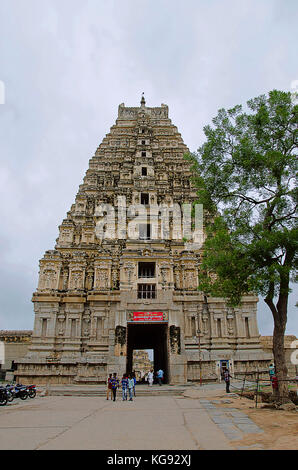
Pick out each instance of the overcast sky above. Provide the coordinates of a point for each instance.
(66, 66)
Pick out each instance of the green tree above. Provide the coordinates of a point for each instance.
(246, 173)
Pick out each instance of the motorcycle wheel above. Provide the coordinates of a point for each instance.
(23, 396)
(10, 396)
(32, 393)
(3, 400)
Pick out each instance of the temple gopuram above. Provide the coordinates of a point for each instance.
(118, 280)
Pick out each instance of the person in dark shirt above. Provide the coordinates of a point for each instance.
(134, 381)
(227, 377)
(115, 385)
(124, 383)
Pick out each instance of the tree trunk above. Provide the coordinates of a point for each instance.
(281, 371)
(279, 313)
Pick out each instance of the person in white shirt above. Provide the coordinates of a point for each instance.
(131, 384)
(150, 378)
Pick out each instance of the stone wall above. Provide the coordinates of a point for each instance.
(16, 345)
(267, 346)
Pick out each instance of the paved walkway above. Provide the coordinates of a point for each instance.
(147, 423)
(232, 422)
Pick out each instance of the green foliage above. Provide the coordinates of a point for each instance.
(246, 176)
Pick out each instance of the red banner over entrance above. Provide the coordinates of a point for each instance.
(147, 316)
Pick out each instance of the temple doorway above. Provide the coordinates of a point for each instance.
(147, 336)
(142, 363)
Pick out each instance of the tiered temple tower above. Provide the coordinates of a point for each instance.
(99, 298)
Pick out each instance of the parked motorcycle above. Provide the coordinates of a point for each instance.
(10, 392)
(31, 389)
(20, 391)
(3, 396)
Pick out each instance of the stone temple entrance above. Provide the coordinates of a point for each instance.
(148, 336)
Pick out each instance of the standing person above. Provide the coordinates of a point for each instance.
(274, 384)
(227, 376)
(271, 371)
(124, 383)
(160, 376)
(109, 386)
(115, 385)
(130, 386)
(150, 378)
(134, 383)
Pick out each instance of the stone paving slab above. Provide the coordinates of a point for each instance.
(248, 428)
(236, 414)
(221, 419)
(232, 422)
(228, 428)
(243, 420)
(215, 412)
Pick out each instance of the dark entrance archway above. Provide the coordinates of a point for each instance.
(149, 336)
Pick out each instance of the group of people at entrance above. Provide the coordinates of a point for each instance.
(159, 376)
(127, 383)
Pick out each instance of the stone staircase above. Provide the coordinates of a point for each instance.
(100, 390)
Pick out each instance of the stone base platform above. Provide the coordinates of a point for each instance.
(100, 390)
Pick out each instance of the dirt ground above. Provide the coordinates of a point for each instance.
(280, 427)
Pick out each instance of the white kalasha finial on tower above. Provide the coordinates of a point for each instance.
(143, 102)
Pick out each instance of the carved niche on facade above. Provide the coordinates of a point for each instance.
(64, 278)
(175, 340)
(177, 276)
(115, 278)
(230, 321)
(89, 278)
(49, 276)
(120, 340)
(165, 274)
(129, 271)
(88, 236)
(205, 316)
(102, 274)
(86, 323)
(66, 235)
(190, 279)
(76, 278)
(205, 322)
(102, 278)
(61, 324)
